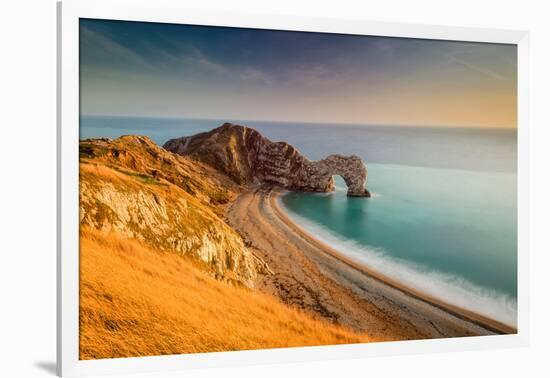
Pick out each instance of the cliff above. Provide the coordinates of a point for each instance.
(160, 270)
(251, 159)
(132, 187)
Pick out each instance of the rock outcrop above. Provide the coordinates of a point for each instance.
(134, 188)
(252, 159)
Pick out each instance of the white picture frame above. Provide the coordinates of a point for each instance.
(69, 12)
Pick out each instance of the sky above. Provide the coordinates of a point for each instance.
(166, 70)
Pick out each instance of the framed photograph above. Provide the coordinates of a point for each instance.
(240, 189)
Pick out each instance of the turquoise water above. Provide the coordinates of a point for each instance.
(443, 214)
(451, 233)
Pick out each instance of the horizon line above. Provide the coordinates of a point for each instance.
(231, 120)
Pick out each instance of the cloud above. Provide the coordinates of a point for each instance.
(176, 57)
(475, 67)
(190, 57)
(193, 58)
(256, 75)
(98, 49)
(318, 75)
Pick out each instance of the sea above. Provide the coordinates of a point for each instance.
(443, 213)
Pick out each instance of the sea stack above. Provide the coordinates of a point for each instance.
(251, 159)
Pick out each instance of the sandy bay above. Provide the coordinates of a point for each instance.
(315, 277)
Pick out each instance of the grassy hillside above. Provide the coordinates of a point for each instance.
(142, 157)
(131, 186)
(137, 301)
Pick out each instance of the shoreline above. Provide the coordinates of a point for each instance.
(459, 312)
(305, 275)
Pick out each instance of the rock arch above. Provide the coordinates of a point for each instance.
(252, 159)
(318, 175)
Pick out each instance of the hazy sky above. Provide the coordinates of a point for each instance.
(148, 69)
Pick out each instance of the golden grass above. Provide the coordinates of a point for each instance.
(102, 171)
(135, 301)
(135, 154)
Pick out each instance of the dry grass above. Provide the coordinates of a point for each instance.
(135, 301)
(141, 157)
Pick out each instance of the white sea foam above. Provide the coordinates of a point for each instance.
(448, 288)
(340, 188)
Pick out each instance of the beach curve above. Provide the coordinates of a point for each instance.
(313, 276)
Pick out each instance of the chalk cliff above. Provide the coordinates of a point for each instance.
(134, 188)
(251, 159)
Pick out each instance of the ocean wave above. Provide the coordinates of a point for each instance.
(446, 287)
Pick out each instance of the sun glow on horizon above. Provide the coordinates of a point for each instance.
(180, 71)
